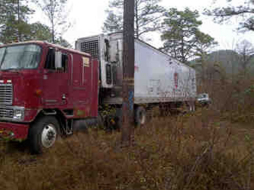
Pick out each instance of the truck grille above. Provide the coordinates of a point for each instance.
(91, 47)
(6, 113)
(6, 94)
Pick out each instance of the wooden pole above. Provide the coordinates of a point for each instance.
(128, 74)
(19, 33)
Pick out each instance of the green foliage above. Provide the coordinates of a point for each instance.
(244, 13)
(40, 31)
(55, 11)
(15, 26)
(183, 39)
(63, 42)
(17, 8)
(113, 23)
(249, 90)
(147, 16)
(14, 20)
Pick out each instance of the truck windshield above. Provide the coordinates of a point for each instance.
(20, 57)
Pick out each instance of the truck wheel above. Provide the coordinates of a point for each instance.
(43, 134)
(140, 116)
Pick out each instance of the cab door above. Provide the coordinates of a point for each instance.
(55, 78)
(81, 85)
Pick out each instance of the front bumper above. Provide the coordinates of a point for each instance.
(13, 131)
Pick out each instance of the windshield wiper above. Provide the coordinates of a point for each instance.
(11, 70)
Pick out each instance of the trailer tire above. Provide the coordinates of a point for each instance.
(43, 134)
(192, 106)
(140, 116)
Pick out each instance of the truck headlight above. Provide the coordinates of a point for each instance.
(18, 114)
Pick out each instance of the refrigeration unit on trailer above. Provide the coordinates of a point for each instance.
(159, 79)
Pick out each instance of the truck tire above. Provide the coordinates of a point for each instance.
(43, 134)
(140, 116)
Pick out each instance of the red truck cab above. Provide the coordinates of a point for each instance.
(44, 89)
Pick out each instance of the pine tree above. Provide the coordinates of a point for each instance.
(14, 20)
(15, 26)
(147, 16)
(55, 11)
(181, 35)
(244, 13)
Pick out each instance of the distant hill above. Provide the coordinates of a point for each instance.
(228, 60)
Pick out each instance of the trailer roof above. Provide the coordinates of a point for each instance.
(149, 45)
(141, 41)
(48, 44)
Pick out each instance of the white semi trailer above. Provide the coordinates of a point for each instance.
(159, 79)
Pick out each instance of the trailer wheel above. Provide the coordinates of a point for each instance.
(43, 134)
(191, 106)
(140, 116)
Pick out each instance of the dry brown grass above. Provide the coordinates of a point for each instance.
(196, 151)
(209, 149)
(233, 98)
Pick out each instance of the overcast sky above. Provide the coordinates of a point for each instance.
(88, 17)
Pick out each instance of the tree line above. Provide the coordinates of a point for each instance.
(180, 33)
(16, 25)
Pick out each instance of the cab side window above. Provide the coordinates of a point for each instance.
(56, 60)
(64, 62)
(50, 60)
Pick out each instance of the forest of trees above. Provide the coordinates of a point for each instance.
(179, 29)
(182, 38)
(15, 21)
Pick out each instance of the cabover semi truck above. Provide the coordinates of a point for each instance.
(48, 91)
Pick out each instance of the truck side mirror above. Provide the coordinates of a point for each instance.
(58, 60)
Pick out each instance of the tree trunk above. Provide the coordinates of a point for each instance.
(128, 74)
(137, 25)
(19, 33)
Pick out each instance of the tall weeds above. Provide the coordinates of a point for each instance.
(211, 148)
(194, 151)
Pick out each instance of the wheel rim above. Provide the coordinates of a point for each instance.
(48, 136)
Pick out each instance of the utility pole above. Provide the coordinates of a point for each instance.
(128, 74)
(19, 34)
